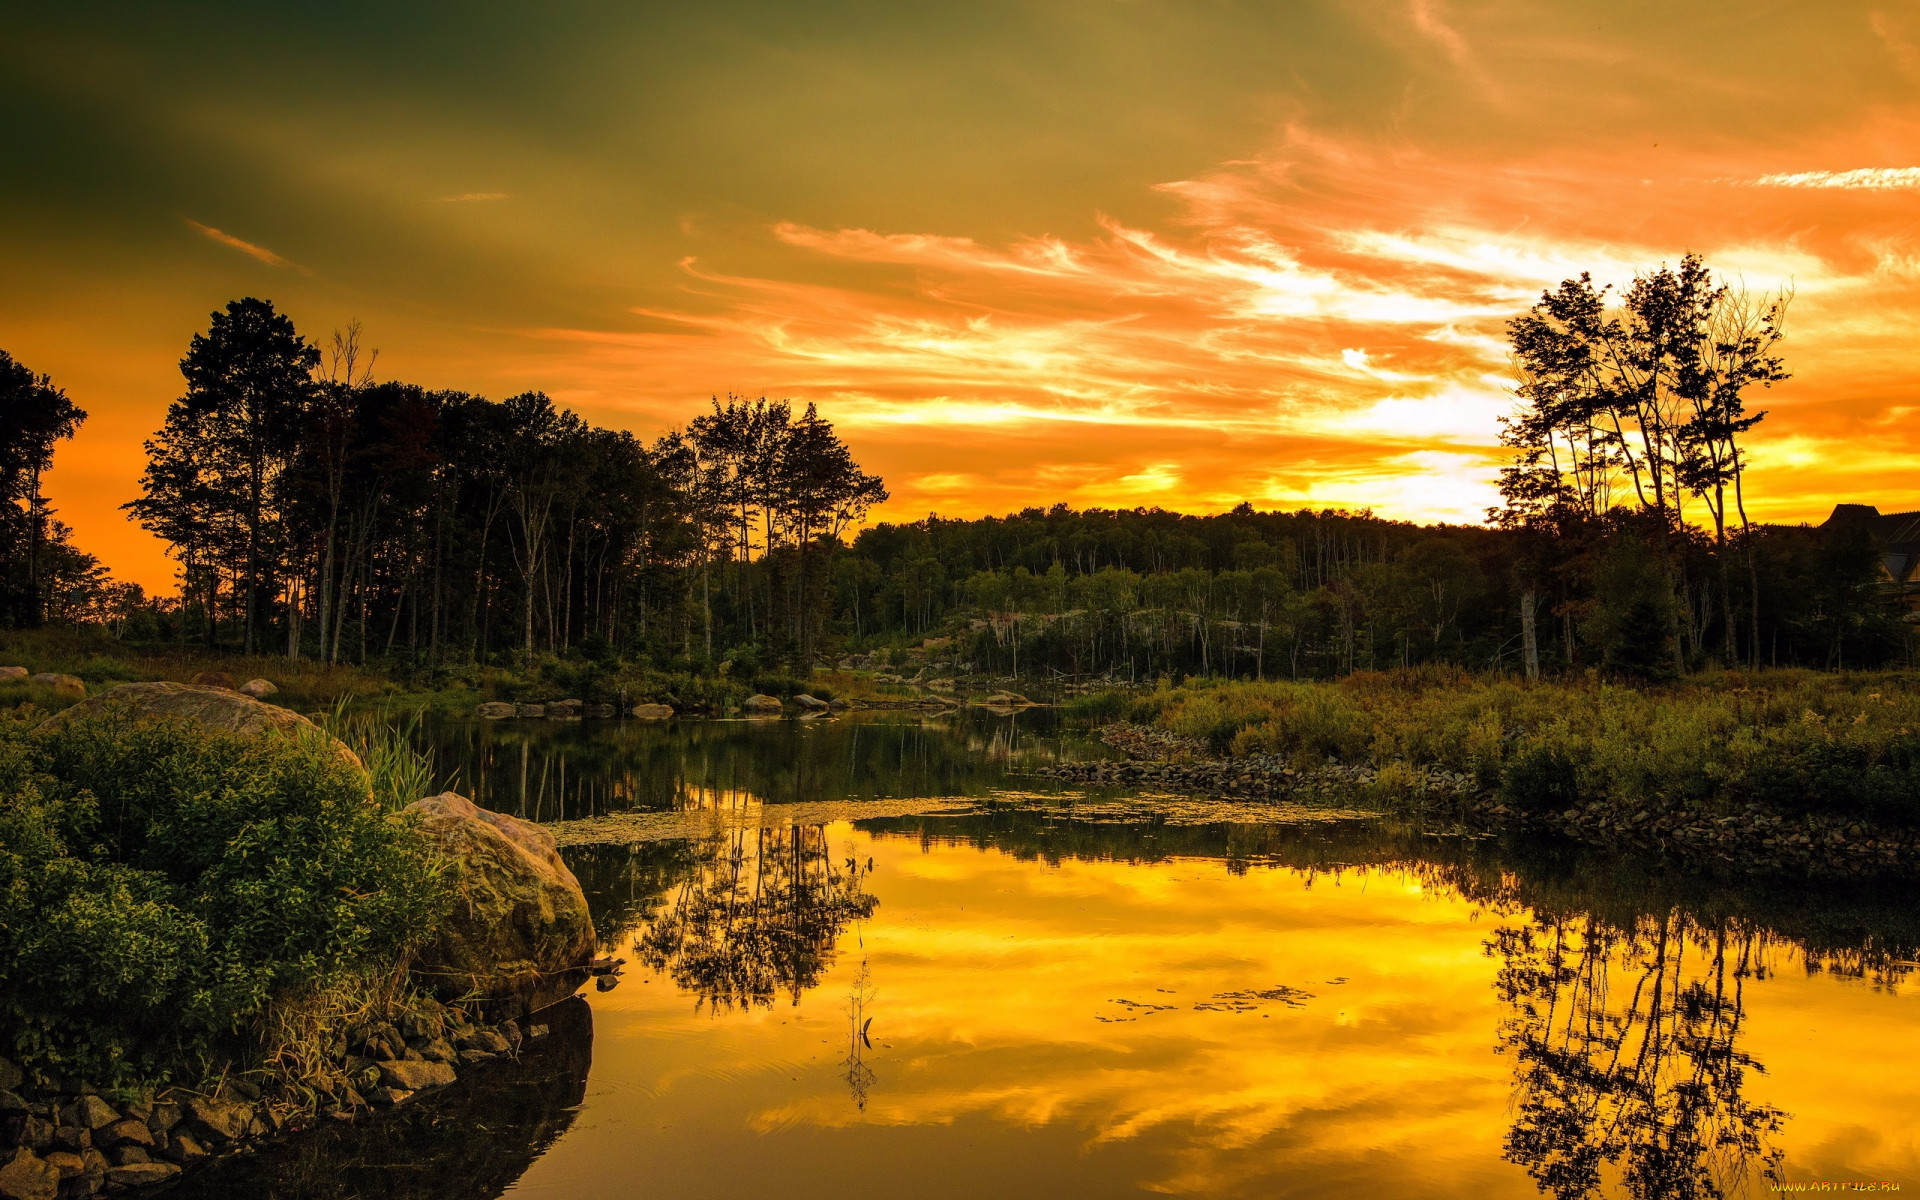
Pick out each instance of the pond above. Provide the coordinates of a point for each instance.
(871, 955)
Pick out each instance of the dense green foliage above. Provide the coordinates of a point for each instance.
(1795, 743)
(160, 886)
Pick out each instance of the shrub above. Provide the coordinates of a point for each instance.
(1540, 779)
(161, 886)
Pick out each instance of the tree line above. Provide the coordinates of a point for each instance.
(318, 513)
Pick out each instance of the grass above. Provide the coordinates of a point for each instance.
(1800, 743)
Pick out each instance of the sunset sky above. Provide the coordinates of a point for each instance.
(1111, 253)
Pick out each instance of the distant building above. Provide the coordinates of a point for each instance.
(1898, 535)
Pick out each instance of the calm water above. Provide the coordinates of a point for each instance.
(1041, 999)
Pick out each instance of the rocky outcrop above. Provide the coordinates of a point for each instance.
(215, 708)
(1006, 700)
(494, 710)
(810, 703)
(653, 712)
(520, 936)
(61, 1145)
(259, 689)
(62, 685)
(761, 706)
(7, 673)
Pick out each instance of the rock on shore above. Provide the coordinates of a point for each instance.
(216, 708)
(520, 935)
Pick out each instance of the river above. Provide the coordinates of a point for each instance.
(873, 955)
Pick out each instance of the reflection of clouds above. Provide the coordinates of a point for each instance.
(994, 972)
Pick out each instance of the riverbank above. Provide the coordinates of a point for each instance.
(94, 662)
(1768, 772)
(219, 924)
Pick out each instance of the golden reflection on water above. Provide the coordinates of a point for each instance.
(1099, 1028)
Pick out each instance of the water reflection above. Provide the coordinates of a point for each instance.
(473, 1140)
(1628, 1056)
(1030, 1004)
(567, 770)
(759, 914)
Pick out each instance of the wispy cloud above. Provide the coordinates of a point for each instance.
(1862, 179)
(469, 197)
(242, 245)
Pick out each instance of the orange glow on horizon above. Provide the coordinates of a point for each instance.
(1314, 319)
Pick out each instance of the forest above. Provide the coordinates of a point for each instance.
(319, 513)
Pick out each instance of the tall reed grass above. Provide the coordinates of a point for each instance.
(1790, 741)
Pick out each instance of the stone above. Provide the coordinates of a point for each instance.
(469, 1057)
(494, 710)
(139, 1175)
(761, 706)
(128, 1131)
(11, 1076)
(414, 1076)
(219, 679)
(37, 1133)
(437, 1050)
(599, 710)
(62, 685)
(215, 708)
(90, 1111)
(11, 1102)
(164, 1117)
(1007, 700)
(95, 1165)
(810, 703)
(72, 1137)
(531, 710)
(259, 689)
(383, 1097)
(185, 1148)
(69, 1164)
(520, 934)
(219, 1120)
(653, 712)
(13, 673)
(564, 708)
(29, 1177)
(122, 1156)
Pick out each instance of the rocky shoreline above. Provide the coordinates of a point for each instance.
(519, 939)
(73, 1140)
(1753, 840)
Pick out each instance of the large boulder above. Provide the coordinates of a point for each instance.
(63, 685)
(13, 673)
(520, 936)
(259, 689)
(810, 703)
(653, 712)
(761, 706)
(28, 1177)
(494, 710)
(215, 708)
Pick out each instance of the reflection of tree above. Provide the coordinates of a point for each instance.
(859, 1076)
(1626, 1047)
(759, 914)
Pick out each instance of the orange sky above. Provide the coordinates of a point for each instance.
(1119, 254)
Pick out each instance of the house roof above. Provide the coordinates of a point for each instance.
(1897, 533)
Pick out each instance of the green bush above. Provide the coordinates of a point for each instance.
(161, 886)
(1540, 779)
